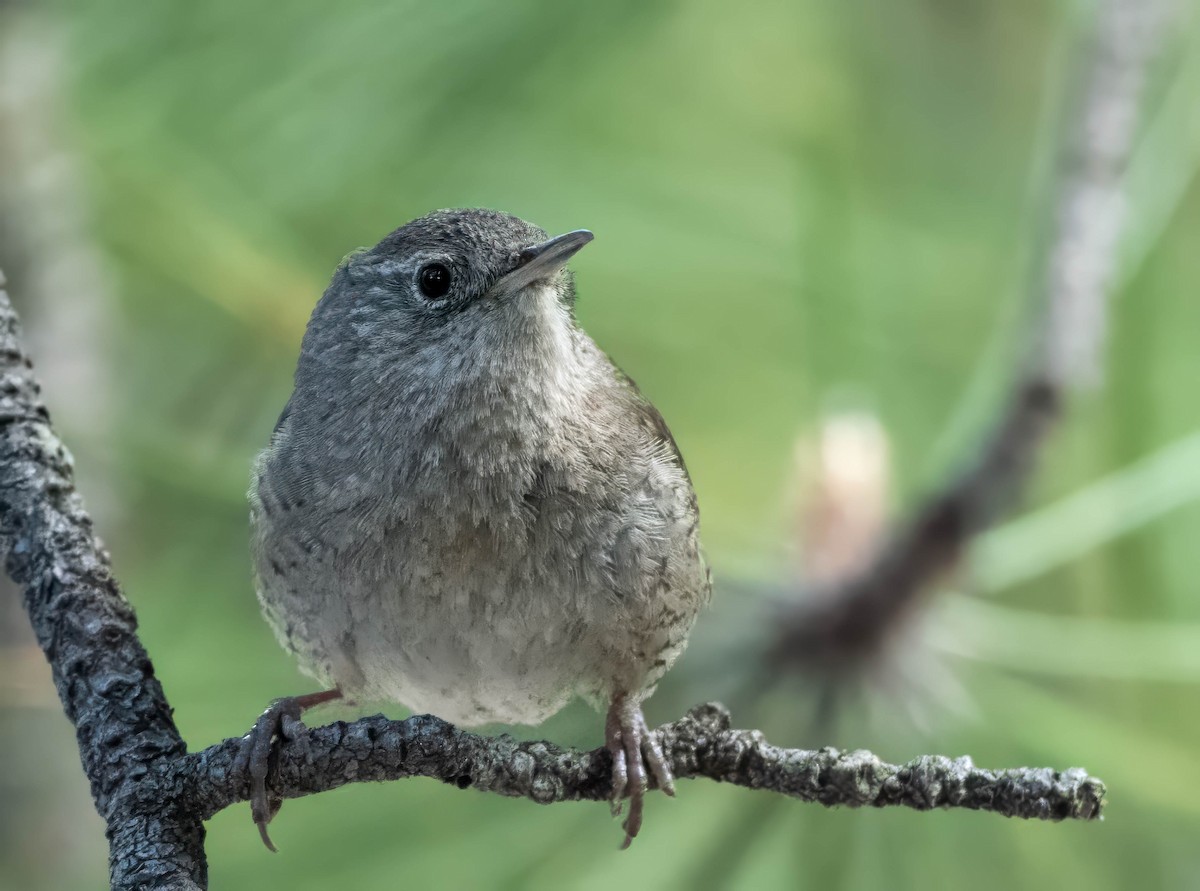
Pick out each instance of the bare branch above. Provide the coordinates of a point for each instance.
(701, 744)
(89, 635)
(846, 624)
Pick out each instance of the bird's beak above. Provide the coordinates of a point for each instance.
(541, 261)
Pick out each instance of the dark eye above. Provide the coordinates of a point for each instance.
(434, 280)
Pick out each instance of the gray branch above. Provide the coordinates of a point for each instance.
(88, 632)
(847, 624)
(155, 796)
(701, 744)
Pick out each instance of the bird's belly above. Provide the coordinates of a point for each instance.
(470, 644)
(480, 624)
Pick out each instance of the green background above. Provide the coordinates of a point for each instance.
(797, 206)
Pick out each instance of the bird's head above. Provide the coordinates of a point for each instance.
(447, 299)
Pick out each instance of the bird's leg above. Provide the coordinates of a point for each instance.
(634, 750)
(282, 719)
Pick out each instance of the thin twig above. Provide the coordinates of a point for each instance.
(701, 744)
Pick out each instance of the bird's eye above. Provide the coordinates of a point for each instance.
(434, 280)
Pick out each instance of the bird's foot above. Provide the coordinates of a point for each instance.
(282, 720)
(636, 754)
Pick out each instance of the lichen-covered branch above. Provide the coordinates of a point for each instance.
(849, 622)
(699, 745)
(89, 635)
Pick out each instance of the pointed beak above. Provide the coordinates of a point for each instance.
(540, 261)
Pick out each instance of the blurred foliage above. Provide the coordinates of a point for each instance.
(796, 205)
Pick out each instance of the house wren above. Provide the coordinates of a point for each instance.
(466, 507)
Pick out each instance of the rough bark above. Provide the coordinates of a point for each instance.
(701, 744)
(88, 632)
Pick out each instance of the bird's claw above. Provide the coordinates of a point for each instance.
(282, 720)
(635, 750)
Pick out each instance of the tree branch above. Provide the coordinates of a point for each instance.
(88, 632)
(846, 624)
(155, 796)
(701, 744)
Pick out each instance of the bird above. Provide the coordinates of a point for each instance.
(467, 508)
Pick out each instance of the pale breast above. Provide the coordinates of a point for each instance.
(583, 587)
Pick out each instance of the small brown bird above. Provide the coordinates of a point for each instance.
(466, 507)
